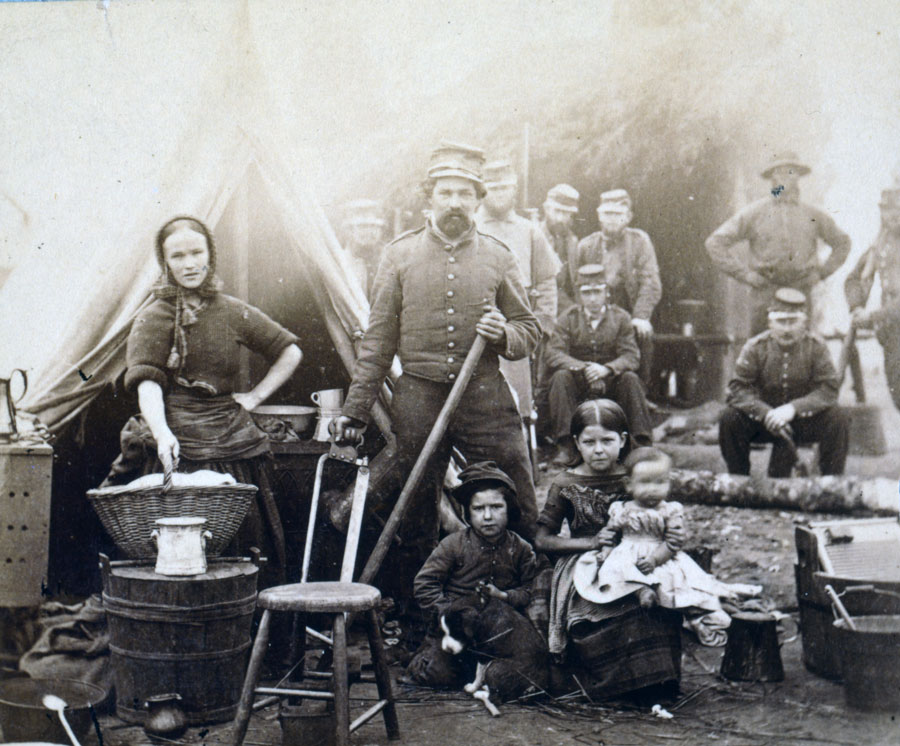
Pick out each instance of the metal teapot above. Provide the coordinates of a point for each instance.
(165, 716)
(8, 405)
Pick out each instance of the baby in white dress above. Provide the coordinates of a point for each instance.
(648, 559)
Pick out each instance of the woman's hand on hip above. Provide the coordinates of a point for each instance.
(247, 400)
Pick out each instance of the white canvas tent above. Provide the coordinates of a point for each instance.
(67, 322)
(68, 306)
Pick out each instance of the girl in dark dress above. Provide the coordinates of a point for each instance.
(623, 646)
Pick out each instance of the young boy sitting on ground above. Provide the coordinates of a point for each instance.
(485, 558)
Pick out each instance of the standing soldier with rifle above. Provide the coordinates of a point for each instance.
(883, 259)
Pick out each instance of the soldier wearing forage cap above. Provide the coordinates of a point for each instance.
(631, 268)
(365, 227)
(784, 389)
(538, 264)
(436, 289)
(560, 209)
(782, 234)
(593, 352)
(883, 259)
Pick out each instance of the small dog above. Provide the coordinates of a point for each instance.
(511, 655)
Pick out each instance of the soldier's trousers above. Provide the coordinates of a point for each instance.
(891, 346)
(829, 428)
(485, 427)
(569, 388)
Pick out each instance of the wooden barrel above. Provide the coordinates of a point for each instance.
(188, 635)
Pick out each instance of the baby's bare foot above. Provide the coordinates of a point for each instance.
(647, 598)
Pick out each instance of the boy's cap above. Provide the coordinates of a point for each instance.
(477, 474)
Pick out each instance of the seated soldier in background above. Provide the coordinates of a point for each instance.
(632, 271)
(483, 558)
(784, 392)
(593, 353)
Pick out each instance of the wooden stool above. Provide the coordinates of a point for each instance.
(753, 652)
(336, 599)
(323, 598)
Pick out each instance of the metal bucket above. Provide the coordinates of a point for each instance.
(183, 634)
(870, 662)
(25, 718)
(307, 726)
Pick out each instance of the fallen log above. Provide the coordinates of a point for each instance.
(815, 494)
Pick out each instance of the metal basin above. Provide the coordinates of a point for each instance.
(24, 717)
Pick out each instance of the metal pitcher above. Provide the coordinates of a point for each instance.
(8, 405)
(181, 545)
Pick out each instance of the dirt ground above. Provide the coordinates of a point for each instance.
(752, 546)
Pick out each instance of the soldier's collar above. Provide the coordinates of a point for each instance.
(438, 235)
(599, 316)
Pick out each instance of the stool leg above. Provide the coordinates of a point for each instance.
(245, 706)
(339, 681)
(382, 675)
(298, 645)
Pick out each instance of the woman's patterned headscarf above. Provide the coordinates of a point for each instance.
(168, 289)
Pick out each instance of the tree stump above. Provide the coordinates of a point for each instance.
(753, 652)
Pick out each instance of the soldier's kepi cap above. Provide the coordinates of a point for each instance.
(615, 197)
(590, 276)
(456, 159)
(788, 302)
(499, 173)
(788, 158)
(363, 212)
(563, 197)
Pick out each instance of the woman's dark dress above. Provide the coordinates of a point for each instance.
(213, 430)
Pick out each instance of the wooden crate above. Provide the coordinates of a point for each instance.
(25, 473)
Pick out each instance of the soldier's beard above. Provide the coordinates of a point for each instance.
(454, 223)
(557, 229)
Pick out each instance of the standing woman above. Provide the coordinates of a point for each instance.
(182, 358)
